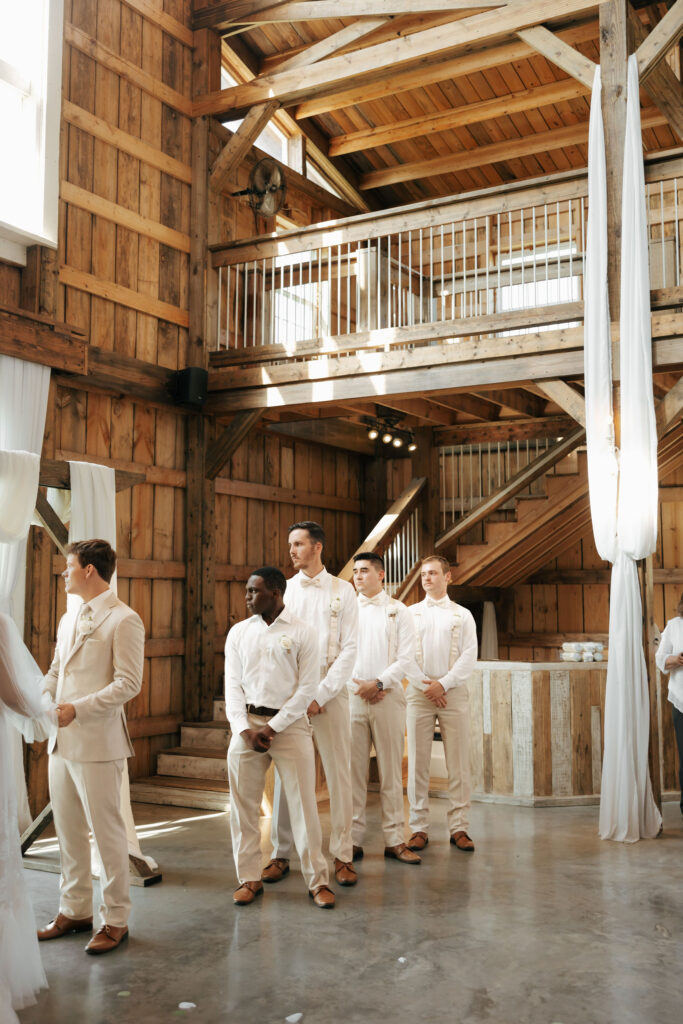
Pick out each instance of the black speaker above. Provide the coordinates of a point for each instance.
(190, 386)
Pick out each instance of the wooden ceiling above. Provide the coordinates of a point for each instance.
(460, 117)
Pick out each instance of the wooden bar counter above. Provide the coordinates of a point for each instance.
(537, 732)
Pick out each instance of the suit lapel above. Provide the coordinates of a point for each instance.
(103, 612)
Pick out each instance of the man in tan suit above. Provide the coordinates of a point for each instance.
(96, 669)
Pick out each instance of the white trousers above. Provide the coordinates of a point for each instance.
(454, 724)
(86, 795)
(332, 737)
(292, 753)
(384, 725)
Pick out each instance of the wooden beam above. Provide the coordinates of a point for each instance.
(241, 142)
(221, 16)
(505, 430)
(121, 215)
(123, 375)
(495, 152)
(128, 297)
(614, 52)
(332, 43)
(670, 408)
(517, 483)
(288, 495)
(37, 339)
(227, 443)
(516, 399)
(54, 526)
(471, 405)
(661, 84)
(445, 120)
(437, 71)
(379, 61)
(57, 474)
(663, 36)
(560, 53)
(331, 433)
(566, 397)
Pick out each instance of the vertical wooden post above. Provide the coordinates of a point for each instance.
(614, 50)
(426, 463)
(374, 492)
(199, 679)
(655, 751)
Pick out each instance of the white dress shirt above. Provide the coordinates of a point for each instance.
(309, 598)
(372, 656)
(272, 666)
(672, 643)
(434, 619)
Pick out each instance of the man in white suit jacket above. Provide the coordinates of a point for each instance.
(96, 669)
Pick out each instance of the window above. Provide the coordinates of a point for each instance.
(545, 277)
(31, 38)
(302, 301)
(271, 140)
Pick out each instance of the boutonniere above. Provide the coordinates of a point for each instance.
(335, 604)
(86, 625)
(286, 643)
(392, 612)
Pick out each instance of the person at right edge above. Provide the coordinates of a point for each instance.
(446, 653)
(669, 659)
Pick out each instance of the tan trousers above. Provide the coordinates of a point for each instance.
(384, 725)
(292, 753)
(454, 723)
(86, 795)
(332, 737)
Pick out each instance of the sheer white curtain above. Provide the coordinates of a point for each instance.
(23, 404)
(93, 514)
(624, 520)
(488, 648)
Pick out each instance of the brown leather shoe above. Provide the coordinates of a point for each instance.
(358, 853)
(462, 841)
(402, 853)
(418, 841)
(344, 873)
(275, 870)
(107, 938)
(63, 925)
(323, 897)
(247, 893)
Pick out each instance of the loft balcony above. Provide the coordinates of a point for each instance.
(446, 300)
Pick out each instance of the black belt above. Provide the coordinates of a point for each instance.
(265, 712)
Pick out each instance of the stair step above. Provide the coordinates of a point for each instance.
(193, 763)
(214, 735)
(496, 532)
(204, 794)
(219, 714)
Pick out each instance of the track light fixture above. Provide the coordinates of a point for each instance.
(385, 427)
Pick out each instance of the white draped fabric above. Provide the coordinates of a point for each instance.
(624, 520)
(93, 514)
(23, 404)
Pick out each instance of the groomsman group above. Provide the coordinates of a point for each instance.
(314, 664)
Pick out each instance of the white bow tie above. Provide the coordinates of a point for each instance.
(363, 601)
(306, 581)
(443, 602)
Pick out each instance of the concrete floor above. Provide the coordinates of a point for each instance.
(544, 924)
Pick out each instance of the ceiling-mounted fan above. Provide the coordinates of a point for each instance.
(267, 187)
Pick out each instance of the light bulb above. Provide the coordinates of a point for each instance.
(412, 447)
(387, 438)
(397, 442)
(373, 433)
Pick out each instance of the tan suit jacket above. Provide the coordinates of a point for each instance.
(97, 673)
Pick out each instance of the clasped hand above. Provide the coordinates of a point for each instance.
(65, 714)
(435, 692)
(259, 739)
(367, 690)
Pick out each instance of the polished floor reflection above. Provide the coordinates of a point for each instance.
(544, 924)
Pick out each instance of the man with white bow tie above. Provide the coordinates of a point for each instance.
(96, 669)
(329, 605)
(386, 649)
(445, 653)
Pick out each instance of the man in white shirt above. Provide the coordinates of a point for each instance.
(329, 605)
(271, 676)
(386, 648)
(446, 653)
(669, 659)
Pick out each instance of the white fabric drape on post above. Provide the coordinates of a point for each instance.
(93, 514)
(624, 521)
(24, 391)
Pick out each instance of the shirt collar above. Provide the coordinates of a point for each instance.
(321, 576)
(98, 603)
(284, 616)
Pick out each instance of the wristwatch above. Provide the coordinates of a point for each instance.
(379, 684)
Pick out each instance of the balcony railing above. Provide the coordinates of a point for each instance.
(421, 273)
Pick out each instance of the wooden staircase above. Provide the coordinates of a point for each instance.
(195, 774)
(543, 526)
